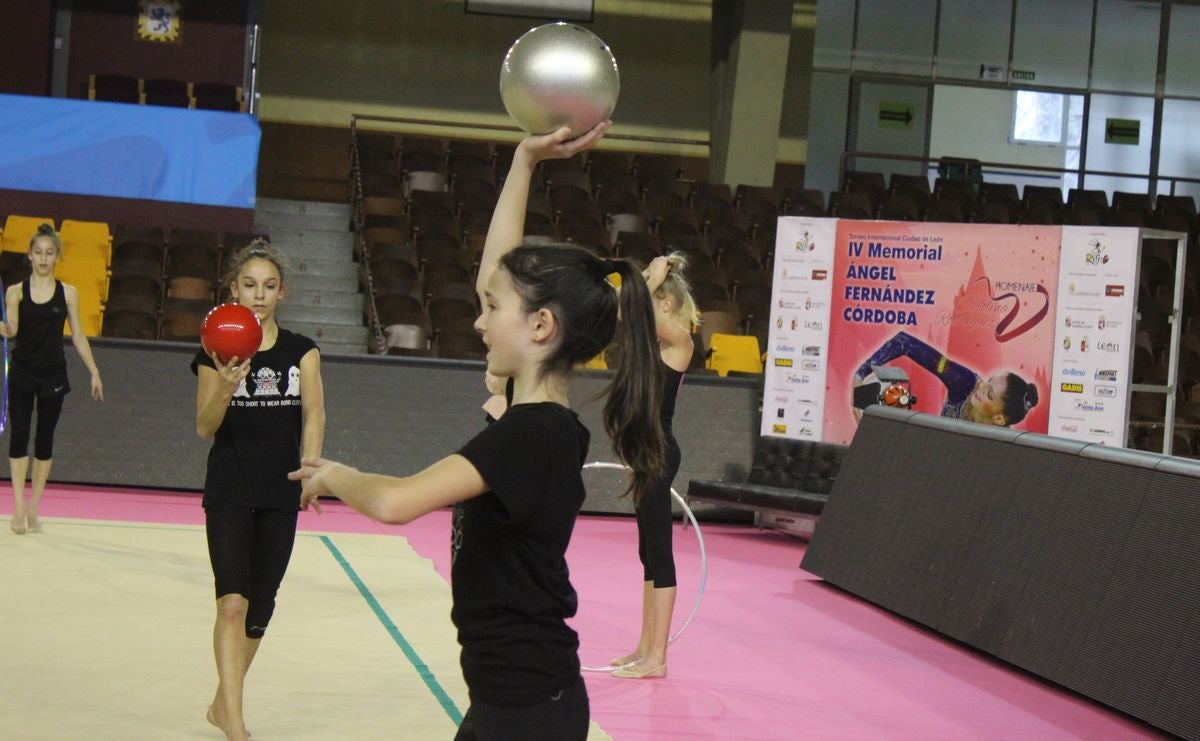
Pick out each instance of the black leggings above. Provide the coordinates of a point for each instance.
(20, 418)
(654, 524)
(249, 550)
(563, 716)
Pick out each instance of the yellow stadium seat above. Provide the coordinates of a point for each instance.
(87, 237)
(18, 230)
(90, 314)
(736, 353)
(88, 273)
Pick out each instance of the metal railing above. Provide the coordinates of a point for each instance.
(355, 196)
(1010, 167)
(439, 123)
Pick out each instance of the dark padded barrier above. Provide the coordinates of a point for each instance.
(384, 413)
(1076, 562)
(786, 476)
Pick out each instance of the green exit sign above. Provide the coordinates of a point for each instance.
(1023, 74)
(1122, 131)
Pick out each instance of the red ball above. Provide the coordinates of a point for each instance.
(231, 331)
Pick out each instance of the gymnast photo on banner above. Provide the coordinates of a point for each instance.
(1003, 398)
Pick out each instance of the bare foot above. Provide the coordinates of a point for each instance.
(17, 523)
(211, 717)
(34, 522)
(219, 722)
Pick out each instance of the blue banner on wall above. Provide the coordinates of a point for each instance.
(118, 150)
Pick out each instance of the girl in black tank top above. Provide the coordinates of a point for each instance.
(37, 374)
(675, 315)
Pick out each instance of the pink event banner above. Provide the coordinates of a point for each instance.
(967, 311)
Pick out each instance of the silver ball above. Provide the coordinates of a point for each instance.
(559, 75)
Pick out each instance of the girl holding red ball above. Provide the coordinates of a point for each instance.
(262, 414)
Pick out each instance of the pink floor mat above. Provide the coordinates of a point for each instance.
(773, 652)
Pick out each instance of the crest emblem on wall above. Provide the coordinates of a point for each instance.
(158, 20)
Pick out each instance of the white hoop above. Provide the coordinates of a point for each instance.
(687, 511)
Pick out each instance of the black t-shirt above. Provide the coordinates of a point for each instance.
(258, 442)
(512, 591)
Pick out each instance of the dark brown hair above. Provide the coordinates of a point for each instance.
(1019, 397)
(573, 284)
(259, 249)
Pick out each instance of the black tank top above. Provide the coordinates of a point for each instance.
(39, 340)
(672, 380)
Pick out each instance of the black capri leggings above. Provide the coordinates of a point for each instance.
(20, 419)
(654, 524)
(249, 550)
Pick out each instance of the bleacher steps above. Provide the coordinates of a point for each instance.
(319, 244)
(283, 205)
(298, 296)
(321, 284)
(357, 336)
(292, 312)
(323, 298)
(342, 269)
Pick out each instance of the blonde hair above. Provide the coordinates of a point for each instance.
(47, 231)
(259, 249)
(676, 287)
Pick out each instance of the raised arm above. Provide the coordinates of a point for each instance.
(80, 341)
(675, 342)
(508, 220)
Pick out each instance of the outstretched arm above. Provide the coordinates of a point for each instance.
(391, 499)
(508, 220)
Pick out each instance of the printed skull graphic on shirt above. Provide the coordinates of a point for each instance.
(266, 382)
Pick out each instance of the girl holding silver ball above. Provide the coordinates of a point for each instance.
(517, 486)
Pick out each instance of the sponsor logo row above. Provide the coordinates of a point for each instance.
(1083, 344)
(806, 364)
(1102, 391)
(1073, 428)
(803, 431)
(1104, 374)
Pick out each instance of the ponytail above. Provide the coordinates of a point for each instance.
(573, 284)
(631, 414)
